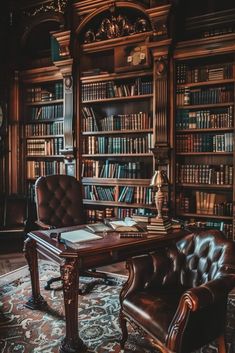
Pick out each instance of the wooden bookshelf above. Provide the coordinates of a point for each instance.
(42, 126)
(204, 132)
(116, 131)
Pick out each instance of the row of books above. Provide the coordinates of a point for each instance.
(127, 194)
(39, 129)
(112, 169)
(206, 204)
(211, 95)
(94, 215)
(44, 147)
(38, 168)
(95, 192)
(186, 74)
(117, 145)
(46, 112)
(212, 32)
(204, 143)
(204, 174)
(134, 121)
(204, 119)
(43, 94)
(110, 89)
(138, 194)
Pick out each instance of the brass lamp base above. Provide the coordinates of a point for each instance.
(159, 225)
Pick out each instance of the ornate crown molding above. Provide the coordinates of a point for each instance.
(51, 6)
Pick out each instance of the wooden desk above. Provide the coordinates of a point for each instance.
(90, 254)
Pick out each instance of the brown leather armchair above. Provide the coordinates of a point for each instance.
(59, 204)
(178, 295)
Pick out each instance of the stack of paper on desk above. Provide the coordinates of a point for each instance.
(79, 235)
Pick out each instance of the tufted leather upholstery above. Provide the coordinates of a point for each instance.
(178, 295)
(58, 201)
(59, 204)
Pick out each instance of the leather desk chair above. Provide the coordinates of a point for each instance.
(59, 204)
(179, 295)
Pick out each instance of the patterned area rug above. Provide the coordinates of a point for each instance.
(26, 331)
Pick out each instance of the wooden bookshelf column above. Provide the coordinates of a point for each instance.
(64, 62)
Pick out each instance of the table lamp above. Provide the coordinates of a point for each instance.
(159, 224)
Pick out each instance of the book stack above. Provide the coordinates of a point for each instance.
(159, 226)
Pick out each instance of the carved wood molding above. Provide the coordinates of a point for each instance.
(160, 19)
(43, 74)
(63, 39)
(69, 275)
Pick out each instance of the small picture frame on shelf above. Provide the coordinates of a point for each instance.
(70, 168)
(131, 57)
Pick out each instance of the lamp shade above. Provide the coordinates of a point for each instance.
(159, 178)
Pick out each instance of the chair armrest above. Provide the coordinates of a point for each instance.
(151, 270)
(140, 269)
(43, 225)
(200, 297)
(195, 299)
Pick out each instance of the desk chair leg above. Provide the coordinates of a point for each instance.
(123, 325)
(221, 344)
(52, 280)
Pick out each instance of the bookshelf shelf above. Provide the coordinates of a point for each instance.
(114, 76)
(186, 131)
(205, 216)
(212, 105)
(117, 132)
(205, 186)
(117, 99)
(115, 181)
(45, 103)
(42, 136)
(45, 156)
(118, 155)
(206, 83)
(204, 153)
(118, 204)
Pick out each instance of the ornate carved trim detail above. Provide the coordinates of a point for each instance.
(161, 154)
(177, 326)
(53, 6)
(116, 25)
(69, 276)
(161, 66)
(159, 17)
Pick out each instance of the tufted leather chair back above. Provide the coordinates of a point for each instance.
(203, 258)
(59, 200)
(194, 260)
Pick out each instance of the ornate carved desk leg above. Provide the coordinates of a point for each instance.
(36, 301)
(70, 278)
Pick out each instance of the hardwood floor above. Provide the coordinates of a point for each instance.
(13, 261)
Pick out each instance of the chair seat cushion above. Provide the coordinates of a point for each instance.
(153, 311)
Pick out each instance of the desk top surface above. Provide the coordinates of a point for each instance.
(109, 242)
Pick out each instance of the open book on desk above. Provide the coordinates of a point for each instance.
(128, 225)
(99, 228)
(79, 235)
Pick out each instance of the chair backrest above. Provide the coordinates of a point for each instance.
(59, 200)
(204, 257)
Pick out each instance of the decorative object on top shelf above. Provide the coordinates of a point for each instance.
(159, 224)
(115, 26)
